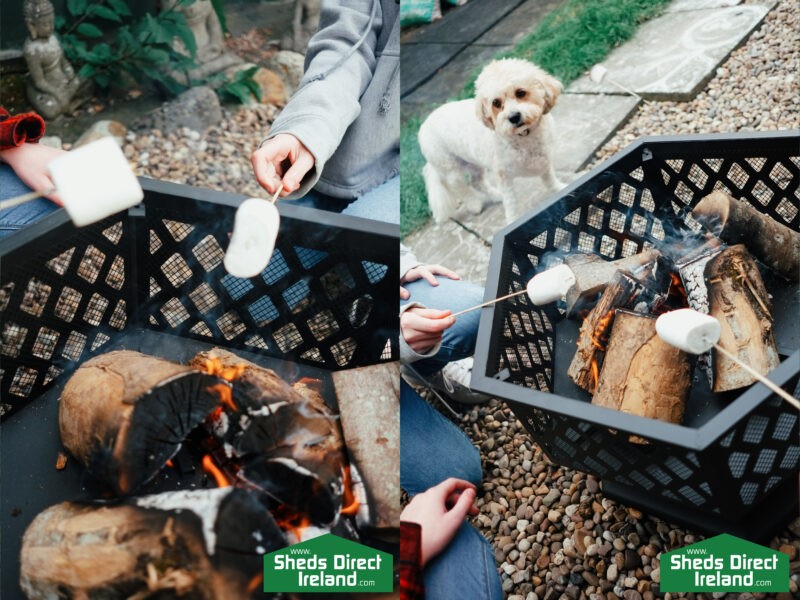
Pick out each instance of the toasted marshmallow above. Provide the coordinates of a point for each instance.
(95, 181)
(255, 230)
(550, 285)
(689, 330)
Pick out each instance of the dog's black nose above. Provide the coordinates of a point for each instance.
(515, 118)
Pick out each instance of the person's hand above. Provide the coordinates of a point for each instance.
(440, 511)
(282, 159)
(29, 162)
(426, 272)
(422, 328)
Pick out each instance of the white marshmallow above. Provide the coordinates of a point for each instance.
(689, 330)
(255, 230)
(550, 285)
(597, 73)
(95, 181)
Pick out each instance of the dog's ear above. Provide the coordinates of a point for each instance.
(552, 90)
(483, 112)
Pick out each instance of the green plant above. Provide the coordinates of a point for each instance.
(243, 88)
(112, 47)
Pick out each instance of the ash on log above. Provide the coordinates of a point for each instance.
(643, 375)
(592, 275)
(369, 404)
(740, 302)
(282, 439)
(204, 544)
(738, 222)
(124, 414)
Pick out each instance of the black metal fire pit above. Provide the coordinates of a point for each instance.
(732, 464)
(152, 280)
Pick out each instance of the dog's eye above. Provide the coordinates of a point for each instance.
(520, 93)
(497, 103)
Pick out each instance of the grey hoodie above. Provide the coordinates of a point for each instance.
(347, 108)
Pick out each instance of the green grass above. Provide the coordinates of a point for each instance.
(566, 43)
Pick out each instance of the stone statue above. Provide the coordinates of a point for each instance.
(304, 25)
(53, 87)
(211, 57)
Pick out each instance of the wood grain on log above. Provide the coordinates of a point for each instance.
(738, 222)
(206, 544)
(643, 375)
(369, 405)
(741, 304)
(124, 414)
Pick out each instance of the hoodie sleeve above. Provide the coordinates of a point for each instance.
(21, 128)
(340, 63)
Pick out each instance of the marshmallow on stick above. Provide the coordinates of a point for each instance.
(255, 230)
(95, 181)
(695, 332)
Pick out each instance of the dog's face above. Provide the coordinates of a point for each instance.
(512, 95)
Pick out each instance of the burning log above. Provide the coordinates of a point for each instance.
(643, 293)
(774, 243)
(592, 275)
(124, 414)
(740, 302)
(277, 439)
(643, 375)
(204, 544)
(368, 400)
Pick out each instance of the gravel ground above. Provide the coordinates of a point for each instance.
(554, 534)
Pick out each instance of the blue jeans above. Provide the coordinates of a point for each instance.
(379, 204)
(431, 450)
(459, 340)
(17, 217)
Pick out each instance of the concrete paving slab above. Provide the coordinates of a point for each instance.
(517, 24)
(420, 62)
(450, 245)
(673, 57)
(463, 24)
(681, 5)
(584, 122)
(451, 79)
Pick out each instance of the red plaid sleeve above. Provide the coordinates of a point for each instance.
(16, 130)
(411, 583)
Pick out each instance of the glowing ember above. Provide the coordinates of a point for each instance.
(225, 394)
(212, 469)
(350, 503)
(291, 521)
(255, 583)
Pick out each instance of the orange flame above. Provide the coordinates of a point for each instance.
(600, 333)
(350, 503)
(291, 521)
(213, 470)
(255, 583)
(595, 372)
(214, 366)
(225, 394)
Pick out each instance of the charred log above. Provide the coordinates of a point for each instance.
(738, 222)
(740, 302)
(593, 274)
(205, 544)
(124, 414)
(643, 375)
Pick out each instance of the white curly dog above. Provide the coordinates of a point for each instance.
(476, 148)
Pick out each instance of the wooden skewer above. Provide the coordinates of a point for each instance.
(471, 308)
(17, 200)
(274, 198)
(781, 392)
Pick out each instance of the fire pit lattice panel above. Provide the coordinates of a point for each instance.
(60, 303)
(736, 455)
(66, 292)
